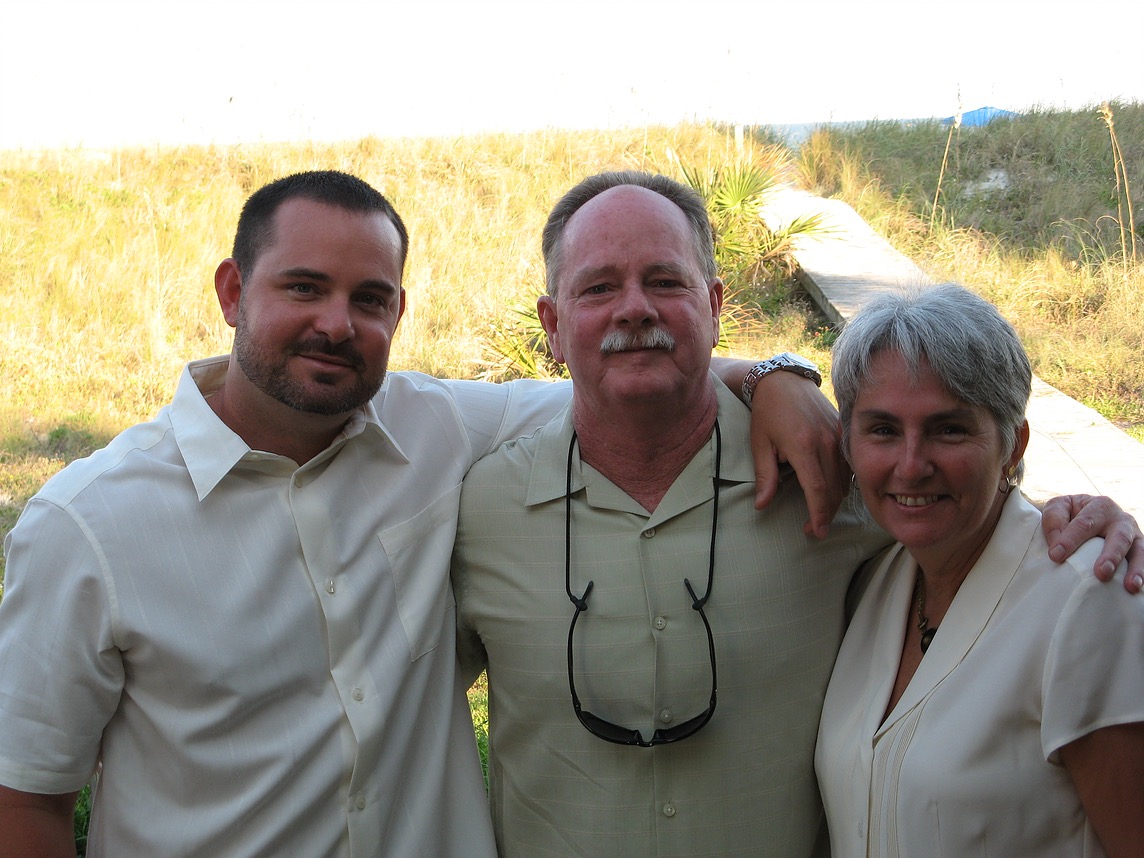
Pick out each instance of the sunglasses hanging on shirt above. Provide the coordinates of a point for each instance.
(594, 724)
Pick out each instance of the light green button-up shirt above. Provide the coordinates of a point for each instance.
(743, 785)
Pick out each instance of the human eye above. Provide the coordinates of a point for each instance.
(952, 431)
(885, 426)
(377, 303)
(302, 288)
(877, 429)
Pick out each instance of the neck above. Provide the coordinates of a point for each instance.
(643, 451)
(944, 575)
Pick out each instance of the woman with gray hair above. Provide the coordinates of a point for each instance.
(985, 700)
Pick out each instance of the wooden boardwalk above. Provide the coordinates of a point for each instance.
(1072, 450)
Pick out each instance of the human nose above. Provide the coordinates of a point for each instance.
(914, 463)
(334, 319)
(634, 306)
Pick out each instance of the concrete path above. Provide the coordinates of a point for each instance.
(1073, 449)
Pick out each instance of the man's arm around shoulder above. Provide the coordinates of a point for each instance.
(495, 413)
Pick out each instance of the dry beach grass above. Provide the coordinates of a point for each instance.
(106, 259)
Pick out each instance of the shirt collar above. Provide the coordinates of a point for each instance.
(548, 476)
(211, 450)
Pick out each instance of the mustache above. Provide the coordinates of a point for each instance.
(627, 341)
(321, 345)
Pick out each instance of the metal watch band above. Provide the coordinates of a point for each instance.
(784, 362)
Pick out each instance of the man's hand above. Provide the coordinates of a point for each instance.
(792, 421)
(1071, 520)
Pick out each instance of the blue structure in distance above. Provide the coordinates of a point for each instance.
(980, 116)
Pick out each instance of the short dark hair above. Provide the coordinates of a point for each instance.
(689, 202)
(255, 229)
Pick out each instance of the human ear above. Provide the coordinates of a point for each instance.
(546, 311)
(1022, 442)
(715, 294)
(400, 305)
(228, 288)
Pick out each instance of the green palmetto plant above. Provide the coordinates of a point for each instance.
(747, 251)
(518, 347)
(755, 263)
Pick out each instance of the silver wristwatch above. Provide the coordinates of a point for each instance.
(786, 361)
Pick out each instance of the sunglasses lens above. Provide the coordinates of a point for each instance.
(620, 735)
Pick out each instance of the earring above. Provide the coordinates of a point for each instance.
(1008, 480)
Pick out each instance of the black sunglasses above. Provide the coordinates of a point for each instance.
(594, 724)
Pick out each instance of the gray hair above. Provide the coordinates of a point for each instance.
(689, 202)
(972, 350)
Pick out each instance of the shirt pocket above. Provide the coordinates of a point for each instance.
(419, 551)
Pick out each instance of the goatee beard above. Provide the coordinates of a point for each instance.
(320, 396)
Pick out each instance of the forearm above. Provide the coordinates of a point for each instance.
(732, 372)
(36, 826)
(1107, 768)
(798, 425)
(744, 376)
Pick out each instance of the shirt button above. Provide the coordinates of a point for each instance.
(359, 802)
(649, 533)
(669, 809)
(660, 623)
(358, 695)
(665, 716)
(330, 586)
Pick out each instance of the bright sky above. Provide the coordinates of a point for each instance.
(99, 73)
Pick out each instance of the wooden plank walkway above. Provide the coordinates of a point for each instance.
(1072, 450)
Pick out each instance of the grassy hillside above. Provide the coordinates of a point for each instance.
(107, 262)
(106, 259)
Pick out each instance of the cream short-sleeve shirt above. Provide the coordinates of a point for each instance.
(1029, 657)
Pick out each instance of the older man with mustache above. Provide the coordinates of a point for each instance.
(657, 648)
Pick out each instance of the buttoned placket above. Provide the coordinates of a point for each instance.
(311, 500)
(669, 812)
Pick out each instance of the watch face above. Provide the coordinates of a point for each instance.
(796, 360)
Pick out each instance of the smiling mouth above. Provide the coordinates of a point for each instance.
(331, 354)
(915, 500)
(333, 360)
